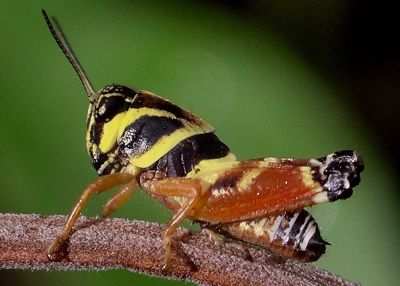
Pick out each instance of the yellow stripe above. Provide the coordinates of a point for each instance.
(110, 133)
(88, 143)
(306, 176)
(211, 170)
(133, 114)
(247, 179)
(165, 144)
(114, 129)
(258, 227)
(191, 116)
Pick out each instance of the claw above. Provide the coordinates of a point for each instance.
(54, 252)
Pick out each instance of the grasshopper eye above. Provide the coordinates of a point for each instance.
(113, 99)
(108, 107)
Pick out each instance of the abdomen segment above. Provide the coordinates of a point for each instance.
(291, 234)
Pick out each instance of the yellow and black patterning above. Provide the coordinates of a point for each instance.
(129, 129)
(138, 139)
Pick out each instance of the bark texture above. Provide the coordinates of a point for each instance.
(101, 244)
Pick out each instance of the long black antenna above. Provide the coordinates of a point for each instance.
(67, 51)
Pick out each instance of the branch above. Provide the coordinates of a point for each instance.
(101, 244)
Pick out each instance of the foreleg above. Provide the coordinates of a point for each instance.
(98, 186)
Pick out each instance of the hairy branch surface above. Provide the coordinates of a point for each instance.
(103, 244)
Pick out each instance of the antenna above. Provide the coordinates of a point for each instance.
(67, 51)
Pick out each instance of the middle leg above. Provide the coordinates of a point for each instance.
(190, 190)
(119, 198)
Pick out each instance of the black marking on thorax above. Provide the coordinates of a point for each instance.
(159, 103)
(143, 133)
(181, 159)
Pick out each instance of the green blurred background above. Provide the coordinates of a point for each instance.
(275, 79)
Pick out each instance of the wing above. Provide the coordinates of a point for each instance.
(257, 188)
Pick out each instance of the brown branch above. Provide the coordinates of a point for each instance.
(137, 246)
